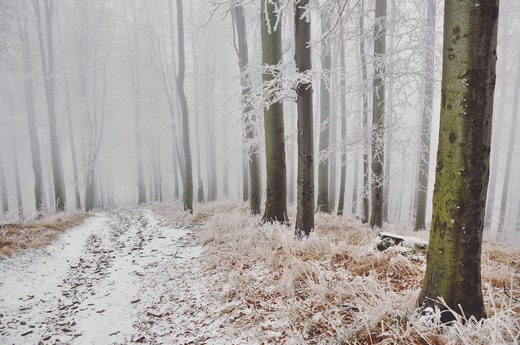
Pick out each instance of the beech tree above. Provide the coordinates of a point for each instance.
(31, 114)
(426, 119)
(249, 116)
(276, 184)
(322, 204)
(188, 178)
(343, 112)
(47, 63)
(459, 199)
(302, 56)
(378, 116)
(509, 160)
(364, 79)
(3, 186)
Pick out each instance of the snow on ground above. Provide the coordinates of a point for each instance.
(158, 275)
(123, 276)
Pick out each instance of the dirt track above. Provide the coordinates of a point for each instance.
(124, 276)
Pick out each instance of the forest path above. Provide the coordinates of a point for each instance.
(123, 276)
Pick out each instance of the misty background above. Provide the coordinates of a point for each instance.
(118, 117)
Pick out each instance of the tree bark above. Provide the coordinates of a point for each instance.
(364, 77)
(378, 116)
(305, 186)
(459, 199)
(276, 184)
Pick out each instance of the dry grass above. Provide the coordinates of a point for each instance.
(37, 233)
(335, 287)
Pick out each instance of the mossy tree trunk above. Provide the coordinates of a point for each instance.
(426, 119)
(378, 116)
(252, 169)
(322, 204)
(276, 184)
(305, 185)
(459, 199)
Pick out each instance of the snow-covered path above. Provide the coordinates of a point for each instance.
(110, 281)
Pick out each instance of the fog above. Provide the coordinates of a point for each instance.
(108, 70)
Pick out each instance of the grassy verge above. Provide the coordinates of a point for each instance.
(37, 233)
(335, 287)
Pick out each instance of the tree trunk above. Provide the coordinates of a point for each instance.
(343, 141)
(188, 178)
(77, 196)
(31, 118)
(364, 77)
(249, 115)
(509, 160)
(47, 62)
(196, 110)
(291, 178)
(19, 201)
(136, 93)
(459, 199)
(3, 186)
(378, 116)
(322, 204)
(389, 114)
(276, 198)
(426, 120)
(305, 186)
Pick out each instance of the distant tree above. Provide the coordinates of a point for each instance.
(31, 115)
(468, 82)
(509, 160)
(276, 184)
(322, 204)
(302, 56)
(47, 63)
(249, 117)
(134, 43)
(378, 117)
(10, 108)
(188, 178)
(343, 120)
(68, 108)
(503, 80)
(3, 186)
(93, 91)
(196, 110)
(364, 79)
(426, 119)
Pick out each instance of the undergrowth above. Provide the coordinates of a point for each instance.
(17, 233)
(335, 287)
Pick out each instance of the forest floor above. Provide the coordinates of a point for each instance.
(157, 275)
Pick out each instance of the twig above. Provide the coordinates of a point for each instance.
(508, 295)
